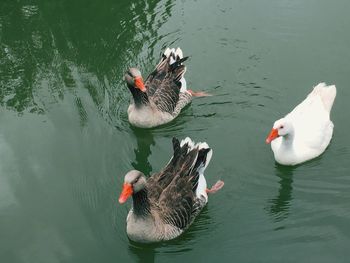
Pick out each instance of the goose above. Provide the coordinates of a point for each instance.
(166, 204)
(307, 130)
(163, 95)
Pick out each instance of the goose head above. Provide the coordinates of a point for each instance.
(134, 181)
(281, 127)
(134, 79)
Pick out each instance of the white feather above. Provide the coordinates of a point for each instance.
(172, 52)
(327, 94)
(202, 145)
(202, 187)
(178, 52)
(183, 85)
(167, 52)
(201, 190)
(189, 142)
(172, 60)
(202, 183)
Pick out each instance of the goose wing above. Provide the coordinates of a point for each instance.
(178, 203)
(165, 82)
(160, 181)
(311, 118)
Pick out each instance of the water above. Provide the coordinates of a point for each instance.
(65, 142)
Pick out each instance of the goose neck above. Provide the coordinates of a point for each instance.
(141, 204)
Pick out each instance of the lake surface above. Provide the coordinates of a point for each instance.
(65, 141)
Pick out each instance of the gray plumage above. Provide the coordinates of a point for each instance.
(165, 93)
(167, 203)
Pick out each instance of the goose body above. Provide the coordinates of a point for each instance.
(163, 95)
(307, 130)
(166, 204)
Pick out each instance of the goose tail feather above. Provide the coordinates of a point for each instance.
(327, 94)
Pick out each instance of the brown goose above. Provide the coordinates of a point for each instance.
(166, 204)
(163, 95)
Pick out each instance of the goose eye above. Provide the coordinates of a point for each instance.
(282, 127)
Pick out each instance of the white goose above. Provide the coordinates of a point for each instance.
(305, 132)
(166, 204)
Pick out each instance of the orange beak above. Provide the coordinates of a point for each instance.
(139, 84)
(126, 193)
(273, 135)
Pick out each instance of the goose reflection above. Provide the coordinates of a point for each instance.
(144, 253)
(142, 150)
(49, 61)
(279, 206)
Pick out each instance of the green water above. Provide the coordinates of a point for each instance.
(65, 142)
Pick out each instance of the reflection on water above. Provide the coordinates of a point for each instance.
(52, 47)
(278, 207)
(143, 252)
(143, 150)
